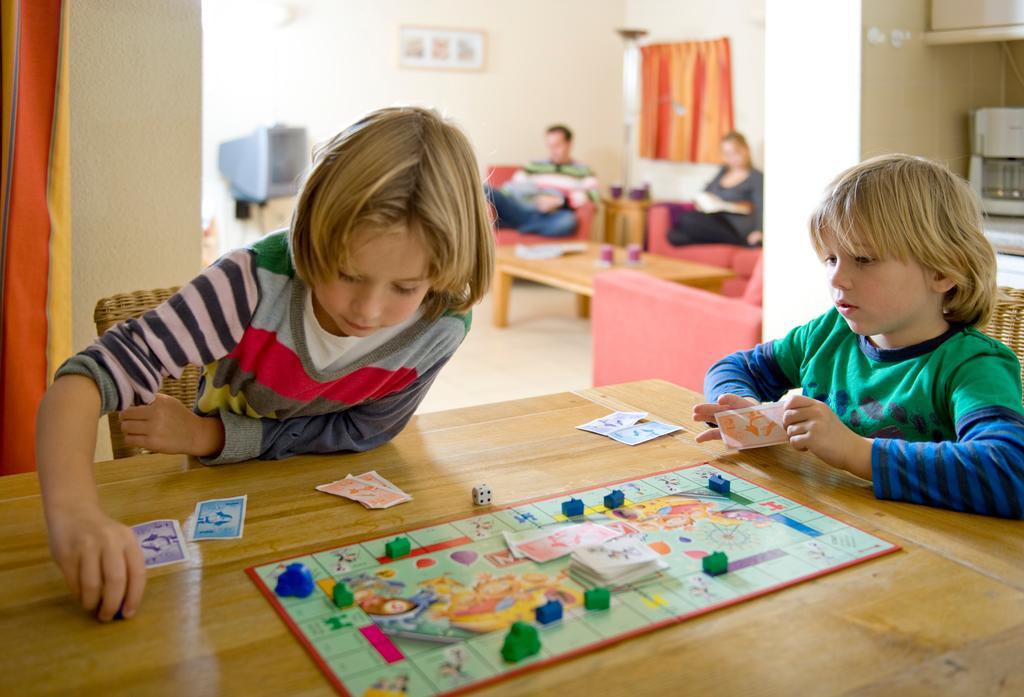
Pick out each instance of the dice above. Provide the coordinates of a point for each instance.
(481, 495)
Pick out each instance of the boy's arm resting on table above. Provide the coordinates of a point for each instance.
(982, 472)
(754, 373)
(362, 427)
(200, 323)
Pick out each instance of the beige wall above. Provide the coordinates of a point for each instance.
(334, 61)
(135, 158)
(743, 22)
(1015, 82)
(916, 98)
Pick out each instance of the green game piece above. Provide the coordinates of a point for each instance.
(398, 547)
(597, 599)
(521, 641)
(715, 563)
(343, 597)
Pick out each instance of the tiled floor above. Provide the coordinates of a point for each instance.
(545, 349)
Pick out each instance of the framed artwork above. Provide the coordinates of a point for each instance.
(441, 49)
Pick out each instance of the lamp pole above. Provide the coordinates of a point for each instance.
(630, 99)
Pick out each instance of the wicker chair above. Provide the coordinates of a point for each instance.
(125, 306)
(1007, 322)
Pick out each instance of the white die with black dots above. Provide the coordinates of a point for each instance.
(481, 495)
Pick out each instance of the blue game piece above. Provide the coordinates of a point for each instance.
(297, 580)
(615, 499)
(719, 484)
(549, 612)
(572, 507)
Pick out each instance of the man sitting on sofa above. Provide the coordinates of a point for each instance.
(541, 197)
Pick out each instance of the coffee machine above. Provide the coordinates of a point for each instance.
(997, 159)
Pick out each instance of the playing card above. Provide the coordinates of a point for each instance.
(613, 422)
(514, 539)
(161, 541)
(753, 427)
(615, 554)
(643, 432)
(369, 494)
(565, 540)
(219, 519)
(377, 479)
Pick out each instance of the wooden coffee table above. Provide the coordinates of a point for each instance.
(575, 273)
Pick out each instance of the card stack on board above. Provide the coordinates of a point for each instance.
(618, 562)
(623, 426)
(369, 489)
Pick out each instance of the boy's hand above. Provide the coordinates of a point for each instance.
(707, 412)
(168, 426)
(100, 558)
(812, 426)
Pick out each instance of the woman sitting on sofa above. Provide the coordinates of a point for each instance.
(728, 211)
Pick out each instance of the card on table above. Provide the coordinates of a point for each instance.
(368, 493)
(219, 519)
(565, 540)
(161, 541)
(643, 432)
(753, 427)
(377, 479)
(613, 422)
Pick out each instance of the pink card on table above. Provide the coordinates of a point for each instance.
(564, 540)
(367, 493)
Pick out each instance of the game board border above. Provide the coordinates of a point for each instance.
(322, 664)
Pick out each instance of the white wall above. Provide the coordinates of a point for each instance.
(135, 159)
(669, 21)
(334, 61)
(811, 133)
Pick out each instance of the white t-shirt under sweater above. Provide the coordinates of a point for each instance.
(328, 351)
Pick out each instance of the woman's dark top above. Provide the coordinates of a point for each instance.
(750, 189)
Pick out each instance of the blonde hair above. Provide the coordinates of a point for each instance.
(402, 168)
(737, 138)
(912, 209)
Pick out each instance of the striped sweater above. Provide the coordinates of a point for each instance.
(945, 415)
(573, 180)
(241, 319)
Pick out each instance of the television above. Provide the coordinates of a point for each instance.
(265, 164)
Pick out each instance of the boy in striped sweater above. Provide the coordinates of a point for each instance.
(321, 338)
(542, 197)
(899, 386)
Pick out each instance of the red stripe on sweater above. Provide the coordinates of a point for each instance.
(277, 367)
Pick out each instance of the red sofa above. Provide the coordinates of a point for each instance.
(644, 327)
(497, 175)
(740, 260)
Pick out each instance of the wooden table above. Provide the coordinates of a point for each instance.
(575, 273)
(625, 213)
(943, 616)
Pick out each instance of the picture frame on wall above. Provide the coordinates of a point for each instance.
(436, 48)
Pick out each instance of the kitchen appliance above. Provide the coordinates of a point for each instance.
(997, 159)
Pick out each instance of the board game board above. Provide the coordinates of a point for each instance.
(433, 621)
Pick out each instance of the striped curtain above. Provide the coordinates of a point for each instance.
(686, 100)
(35, 265)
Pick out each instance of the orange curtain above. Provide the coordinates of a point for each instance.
(686, 100)
(35, 320)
